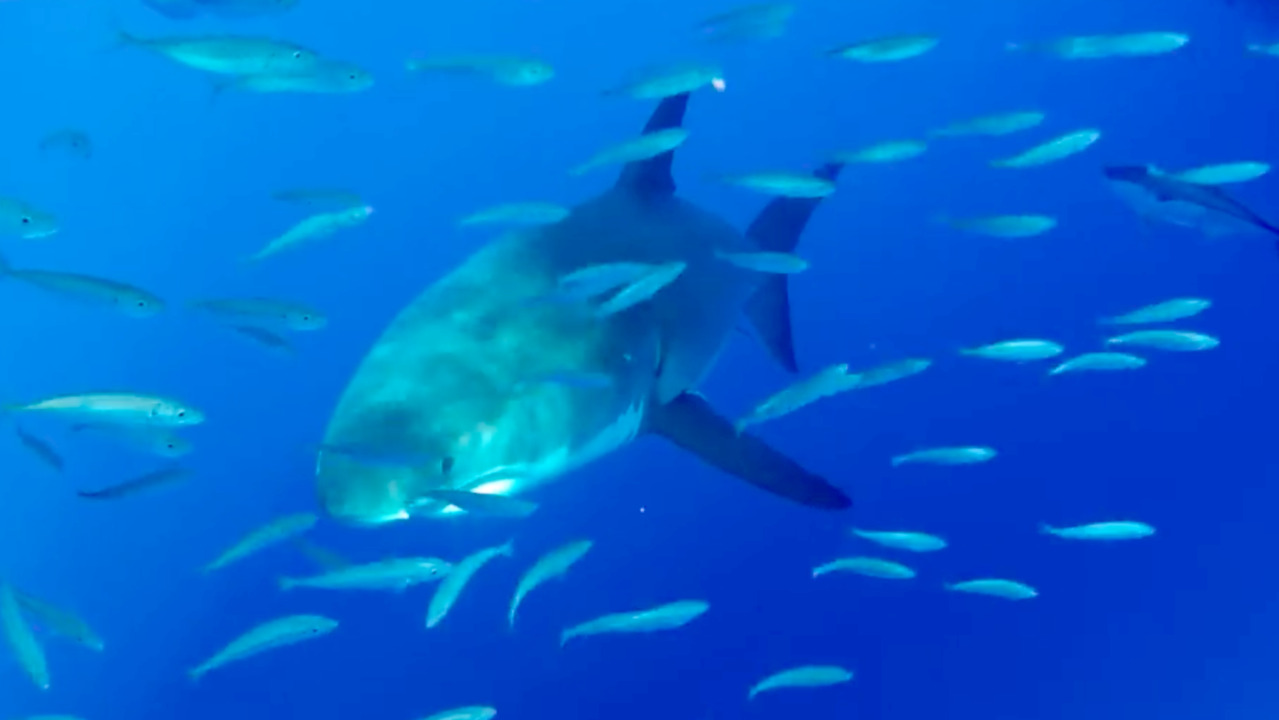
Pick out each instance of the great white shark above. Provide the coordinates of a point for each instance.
(452, 382)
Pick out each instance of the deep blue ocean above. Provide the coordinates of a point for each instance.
(1182, 625)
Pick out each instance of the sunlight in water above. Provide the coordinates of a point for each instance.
(492, 487)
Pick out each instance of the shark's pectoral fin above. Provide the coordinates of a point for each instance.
(652, 177)
(777, 229)
(692, 424)
(769, 312)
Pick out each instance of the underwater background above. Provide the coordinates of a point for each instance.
(179, 190)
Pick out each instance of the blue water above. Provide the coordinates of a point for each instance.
(1182, 625)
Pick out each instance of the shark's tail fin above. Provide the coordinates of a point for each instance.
(777, 228)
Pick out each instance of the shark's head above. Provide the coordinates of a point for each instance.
(1126, 173)
(477, 436)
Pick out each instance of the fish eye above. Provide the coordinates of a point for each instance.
(446, 465)
(182, 413)
(26, 220)
(297, 54)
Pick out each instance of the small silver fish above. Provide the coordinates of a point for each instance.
(642, 147)
(947, 456)
(595, 280)
(26, 649)
(551, 565)
(450, 587)
(1059, 148)
(885, 152)
(663, 617)
(808, 676)
(265, 337)
(314, 228)
(661, 82)
(1166, 311)
(902, 540)
(1172, 340)
(264, 311)
(1016, 350)
(506, 70)
(163, 476)
(886, 373)
(22, 220)
(277, 531)
(1223, 173)
(269, 635)
(40, 448)
(758, 21)
(642, 289)
(59, 621)
(229, 54)
(1091, 47)
(1099, 361)
(889, 49)
(1102, 531)
(521, 213)
(118, 409)
(470, 712)
(1005, 226)
(395, 575)
(994, 587)
(993, 125)
(331, 77)
(784, 184)
(868, 566)
(828, 381)
(127, 299)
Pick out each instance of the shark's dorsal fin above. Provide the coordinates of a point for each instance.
(777, 229)
(691, 423)
(652, 177)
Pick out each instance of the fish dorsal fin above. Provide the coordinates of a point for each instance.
(652, 177)
(777, 228)
(691, 423)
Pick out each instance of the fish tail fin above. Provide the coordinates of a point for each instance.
(1046, 529)
(898, 460)
(288, 583)
(195, 673)
(507, 549)
(777, 228)
(566, 635)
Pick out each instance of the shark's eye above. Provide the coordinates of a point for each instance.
(446, 465)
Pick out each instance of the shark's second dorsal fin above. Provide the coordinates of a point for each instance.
(652, 177)
(777, 229)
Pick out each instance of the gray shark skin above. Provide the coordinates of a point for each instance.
(1164, 189)
(448, 379)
